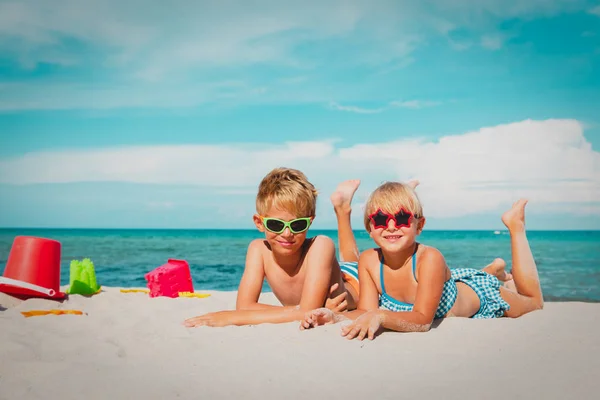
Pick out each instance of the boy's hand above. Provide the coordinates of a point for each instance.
(366, 324)
(216, 319)
(320, 316)
(338, 303)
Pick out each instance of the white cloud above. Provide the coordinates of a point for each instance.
(67, 96)
(412, 104)
(492, 42)
(157, 38)
(182, 35)
(140, 48)
(460, 45)
(595, 11)
(415, 104)
(550, 162)
(355, 109)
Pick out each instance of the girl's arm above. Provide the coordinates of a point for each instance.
(431, 278)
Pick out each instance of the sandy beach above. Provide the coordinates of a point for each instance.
(130, 346)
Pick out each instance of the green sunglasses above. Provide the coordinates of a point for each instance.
(276, 225)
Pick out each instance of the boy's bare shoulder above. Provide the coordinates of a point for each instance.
(323, 240)
(319, 244)
(258, 246)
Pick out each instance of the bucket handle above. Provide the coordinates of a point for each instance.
(25, 285)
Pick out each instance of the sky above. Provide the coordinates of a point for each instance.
(152, 114)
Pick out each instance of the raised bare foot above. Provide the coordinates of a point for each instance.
(498, 269)
(413, 183)
(510, 285)
(342, 197)
(514, 219)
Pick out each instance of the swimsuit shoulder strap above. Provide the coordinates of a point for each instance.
(414, 265)
(381, 276)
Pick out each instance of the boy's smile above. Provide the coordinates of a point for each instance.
(287, 240)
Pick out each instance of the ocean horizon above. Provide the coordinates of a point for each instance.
(568, 261)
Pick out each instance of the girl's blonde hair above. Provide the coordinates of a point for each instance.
(288, 189)
(390, 197)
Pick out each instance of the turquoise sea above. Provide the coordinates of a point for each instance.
(568, 262)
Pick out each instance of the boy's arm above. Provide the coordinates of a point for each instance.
(319, 263)
(252, 280)
(369, 294)
(320, 260)
(368, 299)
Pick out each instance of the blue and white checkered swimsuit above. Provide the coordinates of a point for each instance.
(486, 286)
(447, 300)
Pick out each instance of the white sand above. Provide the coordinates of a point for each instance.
(130, 346)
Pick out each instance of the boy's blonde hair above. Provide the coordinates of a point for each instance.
(390, 197)
(288, 189)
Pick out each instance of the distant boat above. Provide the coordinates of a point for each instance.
(496, 232)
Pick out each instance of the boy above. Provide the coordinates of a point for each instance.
(303, 273)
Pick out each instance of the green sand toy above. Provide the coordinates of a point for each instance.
(83, 278)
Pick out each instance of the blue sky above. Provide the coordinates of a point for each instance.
(156, 115)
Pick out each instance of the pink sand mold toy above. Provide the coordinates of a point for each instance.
(170, 279)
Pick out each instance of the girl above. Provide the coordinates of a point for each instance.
(405, 285)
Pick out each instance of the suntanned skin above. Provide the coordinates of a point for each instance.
(300, 280)
(432, 272)
(304, 274)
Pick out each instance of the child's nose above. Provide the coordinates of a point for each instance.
(392, 225)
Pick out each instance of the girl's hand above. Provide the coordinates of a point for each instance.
(320, 316)
(367, 324)
(216, 319)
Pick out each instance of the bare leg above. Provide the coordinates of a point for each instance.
(524, 270)
(341, 200)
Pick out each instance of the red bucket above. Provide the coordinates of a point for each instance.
(33, 268)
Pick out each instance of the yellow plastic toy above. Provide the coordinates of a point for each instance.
(135, 291)
(38, 313)
(192, 294)
(181, 294)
